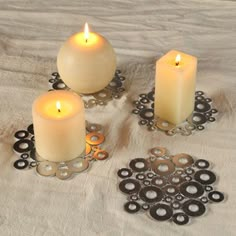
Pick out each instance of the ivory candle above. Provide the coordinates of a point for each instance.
(175, 86)
(59, 125)
(86, 62)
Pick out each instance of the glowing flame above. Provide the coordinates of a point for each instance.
(177, 59)
(58, 105)
(86, 32)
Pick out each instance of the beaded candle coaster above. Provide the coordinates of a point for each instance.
(28, 158)
(203, 113)
(114, 90)
(176, 188)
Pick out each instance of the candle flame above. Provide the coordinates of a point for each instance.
(177, 59)
(58, 105)
(86, 32)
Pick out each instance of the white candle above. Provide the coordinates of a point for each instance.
(59, 125)
(86, 62)
(175, 86)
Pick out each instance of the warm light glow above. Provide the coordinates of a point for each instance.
(58, 105)
(177, 59)
(86, 32)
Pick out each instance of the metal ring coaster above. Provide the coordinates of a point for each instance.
(28, 158)
(114, 90)
(168, 187)
(202, 115)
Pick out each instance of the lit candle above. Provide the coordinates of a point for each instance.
(175, 86)
(59, 125)
(86, 62)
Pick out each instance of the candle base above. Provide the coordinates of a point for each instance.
(203, 113)
(29, 158)
(114, 90)
(162, 181)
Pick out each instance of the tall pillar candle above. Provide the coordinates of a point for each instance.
(175, 86)
(86, 62)
(59, 125)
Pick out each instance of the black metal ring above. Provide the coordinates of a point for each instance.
(189, 171)
(183, 216)
(151, 95)
(124, 173)
(201, 117)
(208, 188)
(158, 181)
(175, 179)
(143, 194)
(21, 164)
(167, 191)
(218, 199)
(211, 180)
(168, 210)
(17, 148)
(56, 85)
(199, 211)
(179, 197)
(123, 183)
(176, 205)
(185, 185)
(202, 164)
(30, 129)
(130, 210)
(134, 162)
(144, 112)
(21, 134)
(24, 155)
(140, 176)
(205, 106)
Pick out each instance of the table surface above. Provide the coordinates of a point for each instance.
(31, 33)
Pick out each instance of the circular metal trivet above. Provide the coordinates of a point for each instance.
(175, 187)
(203, 113)
(28, 158)
(114, 90)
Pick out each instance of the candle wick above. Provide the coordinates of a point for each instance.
(86, 40)
(177, 63)
(59, 110)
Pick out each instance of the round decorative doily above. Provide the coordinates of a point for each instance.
(114, 90)
(176, 188)
(203, 114)
(28, 158)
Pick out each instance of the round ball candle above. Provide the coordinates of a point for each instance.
(86, 62)
(175, 86)
(59, 125)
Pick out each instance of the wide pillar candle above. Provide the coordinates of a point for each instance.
(175, 86)
(86, 62)
(59, 125)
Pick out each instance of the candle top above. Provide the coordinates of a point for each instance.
(177, 59)
(58, 105)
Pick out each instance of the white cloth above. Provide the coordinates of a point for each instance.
(31, 33)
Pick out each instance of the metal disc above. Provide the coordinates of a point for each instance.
(131, 207)
(193, 208)
(124, 173)
(139, 165)
(161, 212)
(191, 189)
(216, 196)
(180, 218)
(163, 167)
(151, 194)
(129, 186)
(205, 177)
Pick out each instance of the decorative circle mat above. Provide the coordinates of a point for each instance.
(175, 188)
(203, 113)
(28, 158)
(114, 90)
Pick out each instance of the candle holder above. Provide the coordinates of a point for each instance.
(202, 115)
(28, 158)
(114, 90)
(174, 188)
